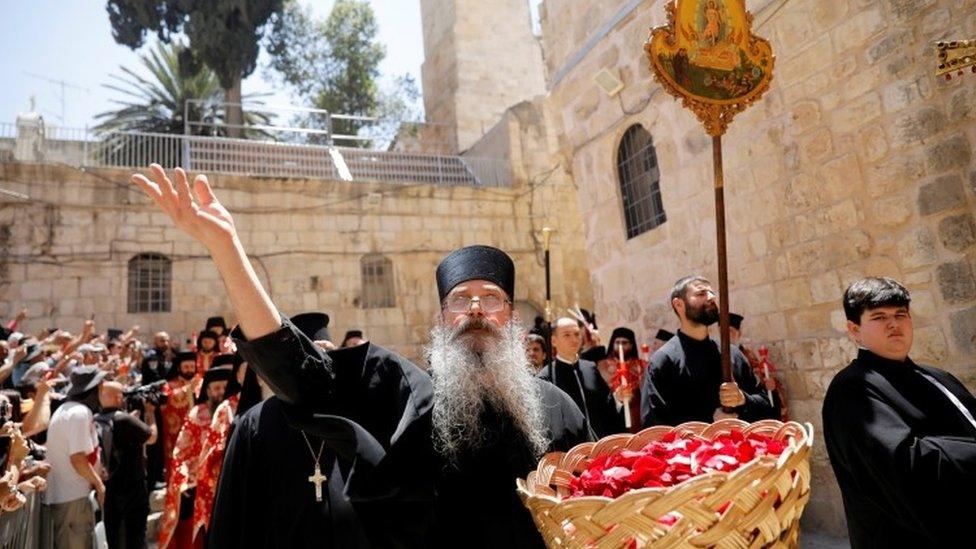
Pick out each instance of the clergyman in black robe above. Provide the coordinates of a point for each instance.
(683, 381)
(373, 432)
(901, 437)
(472, 486)
(581, 380)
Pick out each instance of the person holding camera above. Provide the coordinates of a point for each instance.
(123, 438)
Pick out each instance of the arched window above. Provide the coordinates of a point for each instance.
(150, 277)
(640, 180)
(377, 275)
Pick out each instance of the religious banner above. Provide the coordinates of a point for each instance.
(707, 56)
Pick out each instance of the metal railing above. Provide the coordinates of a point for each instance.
(274, 159)
(268, 158)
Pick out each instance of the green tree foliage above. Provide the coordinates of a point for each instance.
(334, 65)
(157, 103)
(224, 35)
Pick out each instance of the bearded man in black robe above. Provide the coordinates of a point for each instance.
(392, 457)
(901, 437)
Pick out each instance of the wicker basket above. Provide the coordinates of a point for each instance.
(767, 496)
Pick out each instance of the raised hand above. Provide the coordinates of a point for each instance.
(197, 213)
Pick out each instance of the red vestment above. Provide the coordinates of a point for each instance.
(760, 371)
(180, 396)
(211, 458)
(184, 464)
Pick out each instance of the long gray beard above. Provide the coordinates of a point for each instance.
(471, 369)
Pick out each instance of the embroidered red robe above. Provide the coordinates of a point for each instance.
(184, 465)
(211, 458)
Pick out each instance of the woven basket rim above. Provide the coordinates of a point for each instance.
(794, 446)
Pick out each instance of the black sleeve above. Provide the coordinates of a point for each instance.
(654, 404)
(130, 429)
(231, 498)
(922, 479)
(297, 370)
(757, 404)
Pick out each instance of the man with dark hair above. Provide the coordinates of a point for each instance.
(581, 380)
(535, 349)
(683, 381)
(901, 437)
(353, 338)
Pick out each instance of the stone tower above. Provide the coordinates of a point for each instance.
(480, 59)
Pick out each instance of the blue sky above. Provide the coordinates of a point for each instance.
(71, 40)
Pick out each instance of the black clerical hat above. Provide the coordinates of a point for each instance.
(220, 373)
(216, 321)
(664, 335)
(627, 334)
(207, 334)
(476, 263)
(184, 356)
(226, 360)
(735, 321)
(314, 325)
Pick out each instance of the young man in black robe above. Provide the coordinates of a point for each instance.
(581, 380)
(683, 381)
(901, 437)
(387, 438)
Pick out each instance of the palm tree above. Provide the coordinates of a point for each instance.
(157, 104)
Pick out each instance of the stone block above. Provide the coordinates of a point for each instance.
(956, 281)
(957, 232)
(919, 125)
(857, 112)
(872, 143)
(816, 146)
(902, 93)
(944, 193)
(962, 104)
(963, 325)
(889, 43)
(857, 28)
(804, 115)
(917, 248)
(930, 346)
(903, 10)
(952, 152)
(803, 354)
(825, 288)
(891, 211)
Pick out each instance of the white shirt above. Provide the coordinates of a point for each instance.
(72, 431)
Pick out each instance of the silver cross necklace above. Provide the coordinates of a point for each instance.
(317, 478)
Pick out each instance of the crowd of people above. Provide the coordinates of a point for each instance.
(96, 421)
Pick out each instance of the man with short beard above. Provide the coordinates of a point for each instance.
(683, 381)
(182, 382)
(371, 420)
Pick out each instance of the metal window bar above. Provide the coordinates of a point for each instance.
(640, 177)
(377, 281)
(150, 277)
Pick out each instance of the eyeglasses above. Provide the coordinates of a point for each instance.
(462, 303)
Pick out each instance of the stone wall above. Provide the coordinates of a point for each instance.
(65, 253)
(857, 162)
(480, 58)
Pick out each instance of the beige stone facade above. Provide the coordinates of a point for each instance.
(480, 58)
(857, 162)
(65, 253)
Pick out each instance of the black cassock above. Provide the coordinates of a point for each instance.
(386, 487)
(681, 384)
(584, 384)
(904, 454)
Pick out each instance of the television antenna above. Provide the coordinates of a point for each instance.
(63, 84)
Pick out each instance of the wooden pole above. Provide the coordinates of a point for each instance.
(546, 233)
(723, 269)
